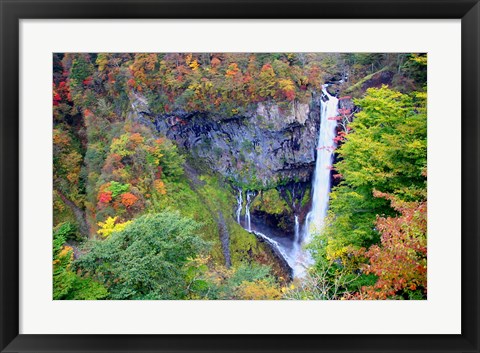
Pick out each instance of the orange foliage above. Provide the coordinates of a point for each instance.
(128, 199)
(400, 261)
(215, 62)
(160, 186)
(136, 139)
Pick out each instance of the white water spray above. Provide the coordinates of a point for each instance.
(247, 212)
(296, 238)
(239, 205)
(297, 258)
(321, 177)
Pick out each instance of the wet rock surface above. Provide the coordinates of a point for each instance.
(263, 148)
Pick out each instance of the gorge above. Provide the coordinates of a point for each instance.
(239, 176)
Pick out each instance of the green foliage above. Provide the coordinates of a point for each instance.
(147, 259)
(271, 202)
(67, 162)
(171, 161)
(385, 151)
(243, 245)
(81, 70)
(114, 169)
(63, 232)
(67, 285)
(120, 146)
(356, 89)
(118, 188)
(239, 283)
(416, 67)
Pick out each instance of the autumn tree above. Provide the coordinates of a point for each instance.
(400, 260)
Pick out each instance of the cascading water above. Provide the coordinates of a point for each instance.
(321, 177)
(297, 258)
(280, 247)
(296, 238)
(248, 222)
(239, 205)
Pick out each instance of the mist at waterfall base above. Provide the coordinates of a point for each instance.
(291, 249)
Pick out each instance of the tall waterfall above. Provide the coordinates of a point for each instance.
(297, 258)
(321, 177)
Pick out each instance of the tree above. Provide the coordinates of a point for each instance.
(386, 150)
(400, 261)
(66, 283)
(146, 260)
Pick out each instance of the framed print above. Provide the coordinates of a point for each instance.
(237, 176)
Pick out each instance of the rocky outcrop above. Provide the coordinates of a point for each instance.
(268, 146)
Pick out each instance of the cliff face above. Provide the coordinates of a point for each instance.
(270, 147)
(265, 147)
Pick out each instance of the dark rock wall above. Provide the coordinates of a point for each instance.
(265, 148)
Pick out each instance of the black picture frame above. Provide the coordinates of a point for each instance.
(12, 11)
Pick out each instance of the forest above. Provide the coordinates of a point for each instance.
(239, 176)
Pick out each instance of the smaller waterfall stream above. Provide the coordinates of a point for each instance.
(282, 247)
(296, 239)
(248, 221)
(239, 205)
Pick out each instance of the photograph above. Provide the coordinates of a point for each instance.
(239, 176)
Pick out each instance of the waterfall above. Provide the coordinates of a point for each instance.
(321, 177)
(239, 205)
(297, 258)
(296, 239)
(248, 222)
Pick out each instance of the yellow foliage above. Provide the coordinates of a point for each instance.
(109, 226)
(66, 251)
(194, 65)
(286, 84)
(334, 251)
(259, 290)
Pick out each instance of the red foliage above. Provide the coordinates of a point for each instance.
(335, 118)
(56, 98)
(88, 80)
(290, 95)
(105, 196)
(400, 261)
(61, 93)
(158, 173)
(344, 111)
(131, 82)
